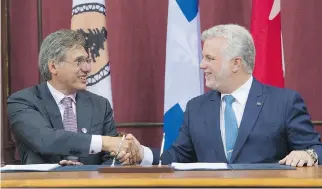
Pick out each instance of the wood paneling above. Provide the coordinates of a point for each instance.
(23, 52)
(7, 144)
(302, 30)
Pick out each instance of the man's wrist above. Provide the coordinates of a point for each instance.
(107, 143)
(312, 154)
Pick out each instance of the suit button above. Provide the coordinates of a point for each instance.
(84, 130)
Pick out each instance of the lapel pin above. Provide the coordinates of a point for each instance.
(258, 103)
(84, 130)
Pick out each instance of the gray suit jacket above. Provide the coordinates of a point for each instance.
(39, 132)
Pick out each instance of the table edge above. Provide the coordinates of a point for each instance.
(177, 182)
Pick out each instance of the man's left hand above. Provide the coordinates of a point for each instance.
(297, 159)
(134, 156)
(68, 162)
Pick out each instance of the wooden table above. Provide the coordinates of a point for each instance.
(302, 177)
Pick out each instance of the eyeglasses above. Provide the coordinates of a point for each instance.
(81, 61)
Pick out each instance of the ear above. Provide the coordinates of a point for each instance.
(52, 66)
(237, 64)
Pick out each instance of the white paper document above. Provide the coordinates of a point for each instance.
(200, 166)
(30, 167)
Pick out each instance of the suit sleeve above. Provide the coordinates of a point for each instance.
(182, 150)
(109, 123)
(300, 130)
(30, 127)
(109, 129)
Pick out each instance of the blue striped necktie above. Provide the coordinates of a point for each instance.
(231, 128)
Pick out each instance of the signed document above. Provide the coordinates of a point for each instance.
(200, 166)
(30, 167)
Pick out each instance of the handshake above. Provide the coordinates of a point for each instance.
(128, 151)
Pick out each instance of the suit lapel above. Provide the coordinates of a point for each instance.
(51, 107)
(254, 104)
(212, 122)
(84, 108)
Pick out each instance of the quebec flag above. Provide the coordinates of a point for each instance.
(183, 77)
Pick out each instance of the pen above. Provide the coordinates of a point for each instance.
(118, 151)
(161, 151)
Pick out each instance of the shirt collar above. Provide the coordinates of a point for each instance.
(58, 96)
(241, 94)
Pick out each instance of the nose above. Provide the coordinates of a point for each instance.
(203, 64)
(86, 67)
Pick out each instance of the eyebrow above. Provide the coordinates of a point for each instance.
(81, 57)
(209, 56)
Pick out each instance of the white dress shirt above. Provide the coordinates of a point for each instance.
(96, 141)
(240, 95)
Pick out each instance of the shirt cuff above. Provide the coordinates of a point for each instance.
(148, 156)
(96, 144)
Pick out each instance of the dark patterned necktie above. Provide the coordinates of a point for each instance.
(69, 118)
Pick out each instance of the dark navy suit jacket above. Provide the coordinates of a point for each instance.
(275, 122)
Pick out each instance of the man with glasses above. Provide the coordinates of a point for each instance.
(59, 120)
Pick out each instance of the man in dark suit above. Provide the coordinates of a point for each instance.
(58, 119)
(242, 120)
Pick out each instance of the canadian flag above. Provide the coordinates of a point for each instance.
(266, 31)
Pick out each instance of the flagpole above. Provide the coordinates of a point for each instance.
(39, 26)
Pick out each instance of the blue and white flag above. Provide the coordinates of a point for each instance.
(183, 77)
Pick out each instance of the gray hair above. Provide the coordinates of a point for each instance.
(55, 46)
(239, 40)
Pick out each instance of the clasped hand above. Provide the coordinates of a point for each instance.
(131, 152)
